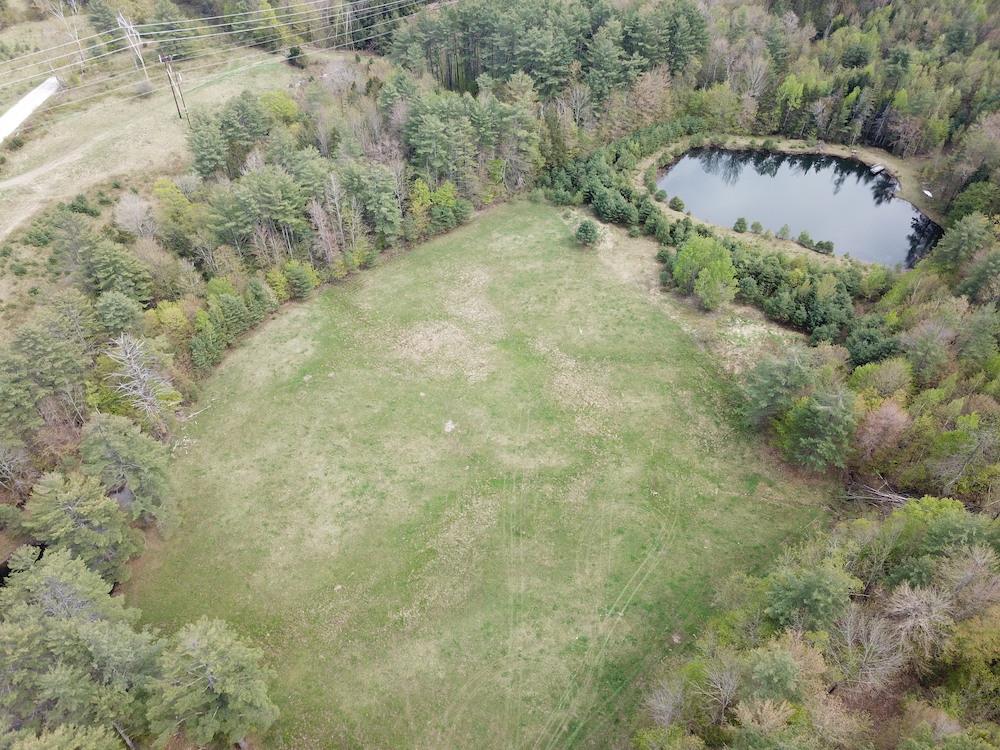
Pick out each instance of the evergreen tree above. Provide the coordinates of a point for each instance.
(73, 513)
(212, 687)
(129, 463)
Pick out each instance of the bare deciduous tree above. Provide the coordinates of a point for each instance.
(135, 215)
(865, 650)
(921, 617)
(721, 685)
(148, 390)
(16, 471)
(666, 703)
(971, 579)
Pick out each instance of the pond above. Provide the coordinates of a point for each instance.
(833, 199)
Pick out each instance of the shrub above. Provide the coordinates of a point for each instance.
(463, 210)
(587, 233)
(81, 205)
(279, 284)
(676, 203)
(300, 281)
(756, 227)
(661, 196)
(740, 225)
(296, 57)
(805, 239)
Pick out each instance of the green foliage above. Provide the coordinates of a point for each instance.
(296, 57)
(676, 204)
(774, 385)
(81, 205)
(705, 267)
(869, 341)
(72, 513)
(211, 686)
(300, 281)
(587, 233)
(741, 225)
(116, 311)
(960, 243)
(979, 197)
(112, 268)
(817, 430)
(809, 598)
(129, 464)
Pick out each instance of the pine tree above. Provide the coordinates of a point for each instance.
(73, 513)
(129, 463)
(212, 687)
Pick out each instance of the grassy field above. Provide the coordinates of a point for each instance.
(472, 498)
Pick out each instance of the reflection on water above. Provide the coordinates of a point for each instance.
(834, 199)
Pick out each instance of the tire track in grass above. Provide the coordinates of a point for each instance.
(643, 571)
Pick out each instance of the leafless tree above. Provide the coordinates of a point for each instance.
(881, 429)
(397, 165)
(135, 215)
(972, 579)
(921, 617)
(325, 243)
(149, 391)
(865, 650)
(337, 201)
(67, 14)
(721, 684)
(17, 474)
(666, 702)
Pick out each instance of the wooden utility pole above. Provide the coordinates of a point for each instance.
(175, 88)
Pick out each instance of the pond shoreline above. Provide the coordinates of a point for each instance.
(904, 171)
(715, 196)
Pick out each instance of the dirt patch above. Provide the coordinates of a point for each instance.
(469, 302)
(445, 350)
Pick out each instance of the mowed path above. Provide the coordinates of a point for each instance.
(471, 498)
(117, 136)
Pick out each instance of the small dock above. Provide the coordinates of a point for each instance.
(877, 169)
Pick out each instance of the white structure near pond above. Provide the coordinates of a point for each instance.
(16, 115)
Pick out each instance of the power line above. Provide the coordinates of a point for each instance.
(228, 72)
(218, 51)
(343, 10)
(209, 53)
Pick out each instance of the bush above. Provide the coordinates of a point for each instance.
(676, 203)
(661, 196)
(587, 233)
(296, 57)
(805, 239)
(81, 205)
(301, 283)
(740, 225)
(756, 227)
(463, 210)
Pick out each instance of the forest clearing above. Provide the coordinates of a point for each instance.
(466, 499)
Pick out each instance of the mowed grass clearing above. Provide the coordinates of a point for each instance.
(471, 498)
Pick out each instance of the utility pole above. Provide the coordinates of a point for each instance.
(175, 88)
(134, 41)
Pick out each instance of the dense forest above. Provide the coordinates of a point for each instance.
(896, 384)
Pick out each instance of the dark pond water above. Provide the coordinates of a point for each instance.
(833, 199)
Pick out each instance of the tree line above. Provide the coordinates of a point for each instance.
(804, 655)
